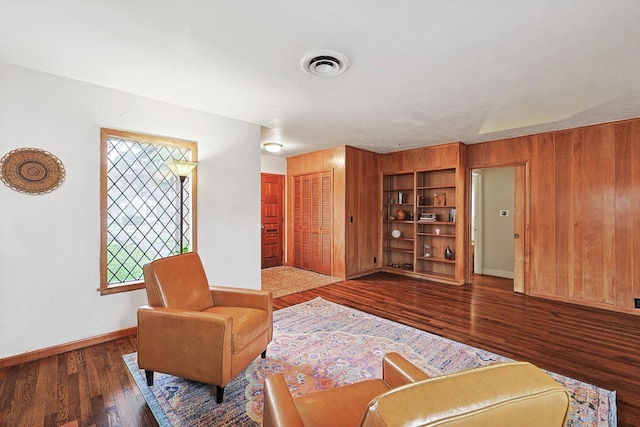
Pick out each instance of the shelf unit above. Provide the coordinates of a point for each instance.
(398, 196)
(429, 225)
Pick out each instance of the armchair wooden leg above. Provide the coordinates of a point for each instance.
(149, 375)
(219, 394)
(264, 353)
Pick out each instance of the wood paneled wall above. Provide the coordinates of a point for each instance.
(363, 212)
(437, 157)
(583, 207)
(584, 211)
(325, 160)
(356, 199)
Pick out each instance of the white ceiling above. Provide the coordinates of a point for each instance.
(421, 72)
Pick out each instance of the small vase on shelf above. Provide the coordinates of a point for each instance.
(427, 251)
(448, 253)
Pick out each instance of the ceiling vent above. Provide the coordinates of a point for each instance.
(324, 63)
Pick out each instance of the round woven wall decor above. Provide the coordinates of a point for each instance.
(32, 171)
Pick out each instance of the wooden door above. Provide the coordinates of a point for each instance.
(302, 222)
(272, 194)
(312, 222)
(321, 221)
(297, 221)
(306, 222)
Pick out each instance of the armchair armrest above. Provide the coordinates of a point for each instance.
(398, 371)
(279, 408)
(224, 296)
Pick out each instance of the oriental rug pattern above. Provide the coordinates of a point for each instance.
(319, 345)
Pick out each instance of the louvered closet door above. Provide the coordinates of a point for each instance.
(326, 222)
(297, 222)
(313, 211)
(306, 222)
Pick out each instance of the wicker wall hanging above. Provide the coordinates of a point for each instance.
(32, 171)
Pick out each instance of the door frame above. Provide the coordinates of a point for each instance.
(522, 220)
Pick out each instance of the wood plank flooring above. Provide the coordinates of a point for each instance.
(93, 387)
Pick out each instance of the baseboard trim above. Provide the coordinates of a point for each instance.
(63, 348)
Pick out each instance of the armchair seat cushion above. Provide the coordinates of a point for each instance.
(248, 324)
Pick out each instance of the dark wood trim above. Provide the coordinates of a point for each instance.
(63, 348)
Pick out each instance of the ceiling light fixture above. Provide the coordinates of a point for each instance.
(273, 147)
(324, 63)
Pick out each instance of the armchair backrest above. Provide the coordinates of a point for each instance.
(506, 394)
(178, 282)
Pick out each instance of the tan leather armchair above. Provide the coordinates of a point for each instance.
(194, 331)
(501, 395)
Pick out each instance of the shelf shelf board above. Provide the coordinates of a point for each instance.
(396, 269)
(434, 222)
(437, 235)
(437, 259)
(406, 251)
(405, 239)
(432, 187)
(436, 206)
(400, 221)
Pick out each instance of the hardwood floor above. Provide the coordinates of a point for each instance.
(93, 387)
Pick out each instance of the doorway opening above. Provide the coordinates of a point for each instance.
(497, 223)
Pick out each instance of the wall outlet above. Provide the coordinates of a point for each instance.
(375, 261)
(636, 301)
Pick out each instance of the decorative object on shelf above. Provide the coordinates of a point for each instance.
(427, 251)
(392, 217)
(437, 231)
(452, 215)
(421, 200)
(401, 214)
(31, 171)
(427, 217)
(410, 216)
(448, 253)
(181, 168)
(404, 266)
(401, 197)
(440, 199)
(396, 233)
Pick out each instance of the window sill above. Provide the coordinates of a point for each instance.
(125, 287)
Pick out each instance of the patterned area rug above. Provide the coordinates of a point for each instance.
(288, 280)
(319, 345)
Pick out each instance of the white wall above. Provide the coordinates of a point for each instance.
(273, 164)
(50, 244)
(497, 242)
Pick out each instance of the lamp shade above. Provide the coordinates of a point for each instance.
(273, 147)
(181, 167)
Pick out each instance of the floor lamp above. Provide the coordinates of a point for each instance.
(181, 168)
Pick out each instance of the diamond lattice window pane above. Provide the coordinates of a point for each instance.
(142, 206)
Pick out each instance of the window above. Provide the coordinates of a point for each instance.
(140, 212)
